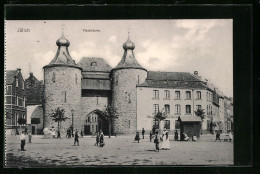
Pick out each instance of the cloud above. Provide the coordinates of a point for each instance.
(112, 39)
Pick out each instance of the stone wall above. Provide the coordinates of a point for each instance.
(65, 82)
(124, 98)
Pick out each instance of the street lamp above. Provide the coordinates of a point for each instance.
(72, 114)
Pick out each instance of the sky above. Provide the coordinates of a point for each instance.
(203, 45)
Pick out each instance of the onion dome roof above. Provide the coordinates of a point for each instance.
(128, 60)
(62, 57)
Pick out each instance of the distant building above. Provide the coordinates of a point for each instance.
(34, 96)
(84, 89)
(15, 98)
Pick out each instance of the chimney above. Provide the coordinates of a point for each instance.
(196, 73)
(31, 74)
(19, 70)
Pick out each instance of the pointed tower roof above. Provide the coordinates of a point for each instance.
(62, 57)
(128, 60)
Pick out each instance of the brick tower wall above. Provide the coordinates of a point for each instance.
(65, 81)
(124, 98)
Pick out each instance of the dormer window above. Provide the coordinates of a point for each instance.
(93, 64)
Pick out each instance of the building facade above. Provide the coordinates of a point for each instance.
(15, 98)
(84, 90)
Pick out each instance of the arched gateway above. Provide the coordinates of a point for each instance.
(94, 122)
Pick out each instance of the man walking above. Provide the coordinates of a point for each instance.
(151, 135)
(76, 138)
(22, 138)
(143, 131)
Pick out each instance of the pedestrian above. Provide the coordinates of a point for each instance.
(153, 129)
(22, 138)
(230, 136)
(17, 132)
(76, 138)
(58, 134)
(97, 139)
(156, 141)
(151, 135)
(143, 131)
(26, 131)
(81, 133)
(218, 136)
(102, 143)
(137, 137)
(185, 136)
(30, 137)
(176, 135)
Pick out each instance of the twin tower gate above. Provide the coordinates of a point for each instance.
(96, 122)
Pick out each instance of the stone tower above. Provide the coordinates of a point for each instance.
(125, 76)
(62, 87)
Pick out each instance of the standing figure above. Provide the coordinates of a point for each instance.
(26, 131)
(76, 138)
(176, 135)
(165, 137)
(81, 133)
(137, 137)
(97, 139)
(156, 141)
(230, 136)
(30, 137)
(17, 132)
(218, 136)
(22, 138)
(58, 134)
(143, 131)
(151, 135)
(185, 136)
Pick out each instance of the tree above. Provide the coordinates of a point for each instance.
(58, 116)
(159, 116)
(21, 121)
(200, 113)
(110, 113)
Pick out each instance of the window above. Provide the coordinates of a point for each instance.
(95, 119)
(64, 96)
(76, 78)
(17, 100)
(97, 98)
(92, 119)
(198, 94)
(208, 124)
(207, 110)
(16, 82)
(177, 124)
(207, 96)
(177, 109)
(93, 64)
(188, 95)
(198, 107)
(89, 119)
(16, 119)
(156, 108)
(177, 94)
(156, 124)
(167, 109)
(188, 109)
(166, 94)
(9, 90)
(53, 77)
(167, 124)
(156, 94)
(129, 124)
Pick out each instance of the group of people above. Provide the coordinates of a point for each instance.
(100, 139)
(228, 137)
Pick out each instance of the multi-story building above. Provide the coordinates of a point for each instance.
(15, 98)
(84, 89)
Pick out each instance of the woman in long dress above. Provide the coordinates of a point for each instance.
(166, 142)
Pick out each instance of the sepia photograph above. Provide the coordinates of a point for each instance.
(141, 92)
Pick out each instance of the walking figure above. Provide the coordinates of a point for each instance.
(156, 141)
(102, 143)
(137, 137)
(176, 135)
(76, 138)
(30, 137)
(22, 138)
(143, 131)
(97, 139)
(151, 135)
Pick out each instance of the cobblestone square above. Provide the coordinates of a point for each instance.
(121, 150)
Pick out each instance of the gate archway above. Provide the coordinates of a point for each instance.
(94, 122)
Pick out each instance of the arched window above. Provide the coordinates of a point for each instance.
(93, 64)
(53, 77)
(198, 93)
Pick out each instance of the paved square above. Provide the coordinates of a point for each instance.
(121, 150)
